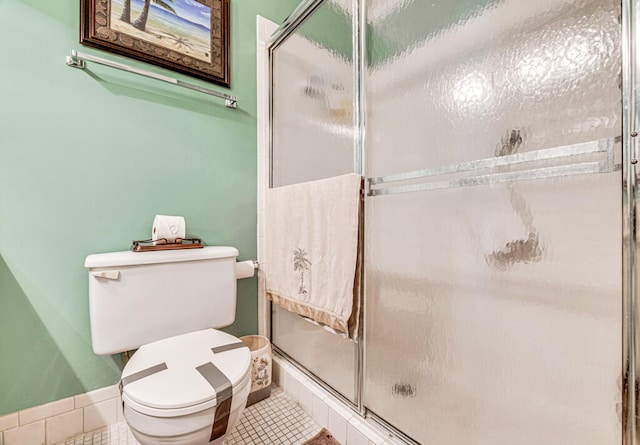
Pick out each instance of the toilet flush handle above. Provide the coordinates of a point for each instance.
(107, 274)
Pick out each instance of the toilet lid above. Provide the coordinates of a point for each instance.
(186, 370)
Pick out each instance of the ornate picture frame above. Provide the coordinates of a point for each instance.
(187, 36)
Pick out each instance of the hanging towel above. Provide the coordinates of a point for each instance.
(311, 264)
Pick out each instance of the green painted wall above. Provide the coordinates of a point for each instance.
(86, 161)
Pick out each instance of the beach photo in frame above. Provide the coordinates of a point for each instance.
(187, 36)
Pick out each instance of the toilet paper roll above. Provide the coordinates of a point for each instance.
(168, 227)
(245, 269)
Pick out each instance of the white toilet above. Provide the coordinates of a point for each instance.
(188, 383)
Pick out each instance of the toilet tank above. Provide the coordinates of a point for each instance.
(139, 297)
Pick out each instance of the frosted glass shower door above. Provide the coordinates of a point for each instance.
(493, 230)
(313, 138)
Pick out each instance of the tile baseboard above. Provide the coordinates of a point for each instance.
(59, 420)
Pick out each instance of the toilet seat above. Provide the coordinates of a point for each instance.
(185, 374)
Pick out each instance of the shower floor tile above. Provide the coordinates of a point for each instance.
(275, 420)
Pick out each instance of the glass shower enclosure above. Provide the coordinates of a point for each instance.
(313, 137)
(498, 146)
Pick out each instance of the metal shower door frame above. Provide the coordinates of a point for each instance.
(305, 9)
(630, 266)
(630, 22)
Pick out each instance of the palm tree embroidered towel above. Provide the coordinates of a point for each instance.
(311, 257)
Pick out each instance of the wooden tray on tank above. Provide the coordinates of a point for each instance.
(162, 244)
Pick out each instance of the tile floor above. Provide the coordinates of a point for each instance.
(275, 420)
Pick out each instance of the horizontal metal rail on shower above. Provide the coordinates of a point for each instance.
(78, 60)
(603, 147)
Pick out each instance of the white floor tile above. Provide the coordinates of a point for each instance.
(275, 420)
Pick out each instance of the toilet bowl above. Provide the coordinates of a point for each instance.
(189, 390)
(187, 383)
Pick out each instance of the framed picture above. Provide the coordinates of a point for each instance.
(188, 36)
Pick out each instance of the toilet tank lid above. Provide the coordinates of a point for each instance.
(129, 258)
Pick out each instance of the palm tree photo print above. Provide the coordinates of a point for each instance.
(180, 25)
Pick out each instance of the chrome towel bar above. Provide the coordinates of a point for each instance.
(78, 60)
